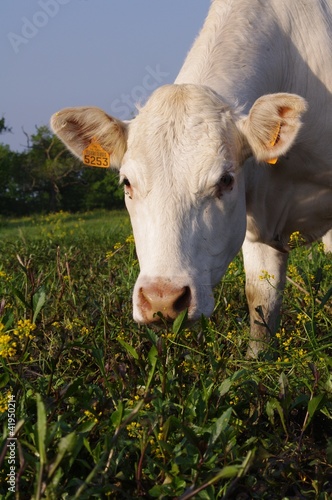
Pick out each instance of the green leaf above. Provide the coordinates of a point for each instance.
(168, 425)
(313, 406)
(38, 302)
(86, 427)
(153, 337)
(153, 358)
(153, 355)
(220, 426)
(204, 323)
(227, 472)
(117, 415)
(228, 382)
(326, 297)
(129, 348)
(180, 321)
(19, 425)
(4, 379)
(273, 405)
(21, 297)
(225, 387)
(8, 320)
(98, 355)
(66, 444)
(157, 491)
(41, 428)
(74, 387)
(190, 435)
(270, 411)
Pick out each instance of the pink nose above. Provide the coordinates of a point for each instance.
(166, 299)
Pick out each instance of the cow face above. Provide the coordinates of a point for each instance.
(180, 162)
(185, 194)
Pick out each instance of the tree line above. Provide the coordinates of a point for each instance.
(45, 177)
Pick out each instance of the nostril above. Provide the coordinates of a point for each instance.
(183, 301)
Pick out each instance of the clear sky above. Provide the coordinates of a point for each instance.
(106, 53)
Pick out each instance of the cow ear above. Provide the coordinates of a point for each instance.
(78, 127)
(272, 125)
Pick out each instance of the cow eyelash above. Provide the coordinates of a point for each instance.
(128, 190)
(225, 183)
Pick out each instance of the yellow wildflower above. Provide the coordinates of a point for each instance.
(296, 239)
(133, 429)
(7, 345)
(130, 239)
(24, 329)
(266, 276)
(91, 416)
(4, 398)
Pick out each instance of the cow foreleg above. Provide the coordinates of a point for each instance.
(327, 240)
(265, 270)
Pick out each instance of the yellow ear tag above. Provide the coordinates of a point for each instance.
(274, 141)
(95, 155)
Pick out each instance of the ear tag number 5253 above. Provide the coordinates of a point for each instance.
(96, 156)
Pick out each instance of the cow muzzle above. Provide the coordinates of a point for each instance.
(161, 299)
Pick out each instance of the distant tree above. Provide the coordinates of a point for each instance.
(46, 177)
(49, 167)
(3, 127)
(103, 190)
(10, 189)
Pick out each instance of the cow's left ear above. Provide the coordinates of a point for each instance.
(272, 125)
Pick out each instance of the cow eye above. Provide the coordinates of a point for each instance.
(227, 180)
(128, 189)
(225, 184)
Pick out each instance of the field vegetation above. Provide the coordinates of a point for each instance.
(109, 409)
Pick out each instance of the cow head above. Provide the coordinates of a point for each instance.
(180, 161)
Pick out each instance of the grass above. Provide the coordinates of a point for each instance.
(104, 408)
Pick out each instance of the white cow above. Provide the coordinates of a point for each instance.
(194, 162)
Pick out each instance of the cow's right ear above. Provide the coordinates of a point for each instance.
(78, 127)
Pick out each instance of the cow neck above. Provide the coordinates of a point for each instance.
(233, 56)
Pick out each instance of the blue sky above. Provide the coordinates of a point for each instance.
(106, 53)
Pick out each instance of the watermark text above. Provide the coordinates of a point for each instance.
(123, 106)
(11, 443)
(31, 27)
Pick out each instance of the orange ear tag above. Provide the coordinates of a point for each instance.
(95, 155)
(275, 139)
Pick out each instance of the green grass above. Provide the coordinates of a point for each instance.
(109, 409)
